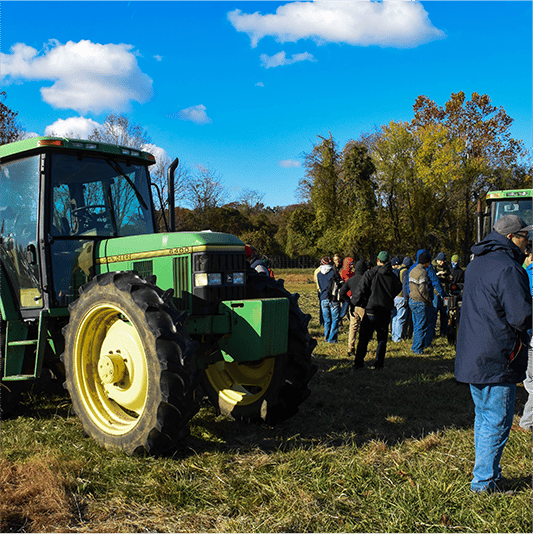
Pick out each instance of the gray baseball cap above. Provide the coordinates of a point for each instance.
(510, 224)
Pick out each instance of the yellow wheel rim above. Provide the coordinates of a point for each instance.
(109, 369)
(241, 383)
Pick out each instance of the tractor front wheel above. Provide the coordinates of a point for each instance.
(272, 389)
(127, 365)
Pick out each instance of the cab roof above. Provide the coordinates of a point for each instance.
(38, 144)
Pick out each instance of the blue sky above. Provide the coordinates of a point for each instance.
(244, 88)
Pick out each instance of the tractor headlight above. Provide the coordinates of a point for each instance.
(207, 279)
(238, 279)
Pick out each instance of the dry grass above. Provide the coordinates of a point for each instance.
(35, 496)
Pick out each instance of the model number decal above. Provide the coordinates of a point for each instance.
(181, 250)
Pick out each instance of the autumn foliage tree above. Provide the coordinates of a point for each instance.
(488, 155)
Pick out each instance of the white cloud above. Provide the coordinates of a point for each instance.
(158, 58)
(76, 127)
(289, 163)
(279, 59)
(195, 114)
(87, 76)
(260, 84)
(389, 23)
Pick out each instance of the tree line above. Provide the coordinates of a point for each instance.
(405, 186)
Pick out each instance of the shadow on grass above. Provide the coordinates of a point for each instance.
(408, 399)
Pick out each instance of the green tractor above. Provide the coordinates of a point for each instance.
(133, 320)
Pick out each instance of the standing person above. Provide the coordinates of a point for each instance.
(407, 330)
(437, 294)
(375, 292)
(457, 274)
(420, 301)
(337, 263)
(526, 421)
(255, 262)
(396, 264)
(330, 309)
(442, 269)
(320, 316)
(346, 272)
(491, 352)
(401, 306)
(355, 314)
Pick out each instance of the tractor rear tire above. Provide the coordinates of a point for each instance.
(270, 390)
(127, 362)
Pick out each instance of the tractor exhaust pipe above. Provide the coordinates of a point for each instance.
(171, 195)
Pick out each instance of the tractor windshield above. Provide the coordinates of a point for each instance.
(512, 206)
(99, 197)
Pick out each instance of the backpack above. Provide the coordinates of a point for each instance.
(334, 288)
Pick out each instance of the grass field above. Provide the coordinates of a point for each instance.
(369, 451)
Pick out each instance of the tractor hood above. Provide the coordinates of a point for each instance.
(134, 248)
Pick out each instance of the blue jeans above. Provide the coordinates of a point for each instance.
(494, 409)
(399, 315)
(419, 312)
(330, 313)
(344, 309)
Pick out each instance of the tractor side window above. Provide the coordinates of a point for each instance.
(19, 201)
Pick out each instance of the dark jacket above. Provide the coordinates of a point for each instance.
(458, 279)
(325, 274)
(404, 277)
(377, 289)
(495, 315)
(347, 290)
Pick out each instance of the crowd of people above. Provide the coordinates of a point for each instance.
(394, 294)
(494, 350)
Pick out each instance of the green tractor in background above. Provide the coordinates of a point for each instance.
(135, 320)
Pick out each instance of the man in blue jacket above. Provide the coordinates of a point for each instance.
(491, 352)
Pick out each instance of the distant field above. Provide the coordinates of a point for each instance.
(370, 451)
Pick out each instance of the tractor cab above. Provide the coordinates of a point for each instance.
(56, 204)
(509, 202)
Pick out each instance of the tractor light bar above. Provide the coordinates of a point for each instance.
(50, 142)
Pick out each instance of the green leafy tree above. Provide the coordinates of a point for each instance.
(322, 169)
(301, 232)
(357, 203)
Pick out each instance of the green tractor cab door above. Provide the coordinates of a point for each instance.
(22, 297)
